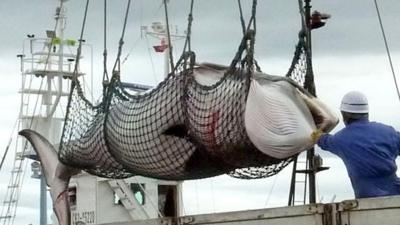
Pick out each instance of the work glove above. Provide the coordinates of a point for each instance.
(315, 135)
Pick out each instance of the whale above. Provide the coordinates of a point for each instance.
(192, 125)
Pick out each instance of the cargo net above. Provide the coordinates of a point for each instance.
(300, 72)
(82, 142)
(179, 130)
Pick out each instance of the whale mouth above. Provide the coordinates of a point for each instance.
(323, 118)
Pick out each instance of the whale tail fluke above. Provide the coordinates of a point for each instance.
(57, 174)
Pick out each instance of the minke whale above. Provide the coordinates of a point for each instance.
(170, 133)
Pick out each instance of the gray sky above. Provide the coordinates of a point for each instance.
(348, 54)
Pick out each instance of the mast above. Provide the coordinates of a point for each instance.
(46, 72)
(310, 153)
(158, 31)
(313, 162)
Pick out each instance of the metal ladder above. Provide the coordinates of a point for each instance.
(10, 202)
(312, 165)
(298, 182)
(123, 191)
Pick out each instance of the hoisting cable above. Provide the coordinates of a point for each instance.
(75, 73)
(105, 73)
(79, 50)
(302, 15)
(244, 29)
(187, 46)
(248, 35)
(247, 44)
(250, 51)
(303, 36)
(171, 59)
(252, 20)
(189, 28)
(309, 84)
(387, 48)
(121, 43)
(105, 80)
(241, 17)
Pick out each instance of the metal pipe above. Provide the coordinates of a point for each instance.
(43, 200)
(311, 152)
(292, 192)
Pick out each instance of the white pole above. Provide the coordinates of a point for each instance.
(60, 16)
(166, 56)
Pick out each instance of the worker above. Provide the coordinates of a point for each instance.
(368, 149)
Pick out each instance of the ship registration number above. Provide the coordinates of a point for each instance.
(81, 218)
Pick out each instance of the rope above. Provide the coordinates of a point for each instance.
(241, 17)
(243, 24)
(75, 73)
(309, 84)
(171, 59)
(387, 48)
(252, 20)
(121, 42)
(250, 51)
(254, 11)
(187, 44)
(249, 35)
(79, 50)
(302, 15)
(305, 43)
(105, 73)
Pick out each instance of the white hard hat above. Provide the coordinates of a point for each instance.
(354, 102)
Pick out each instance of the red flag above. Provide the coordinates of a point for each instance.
(161, 48)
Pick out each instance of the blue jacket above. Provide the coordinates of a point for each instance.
(368, 150)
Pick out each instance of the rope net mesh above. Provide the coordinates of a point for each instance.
(82, 143)
(300, 72)
(178, 130)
